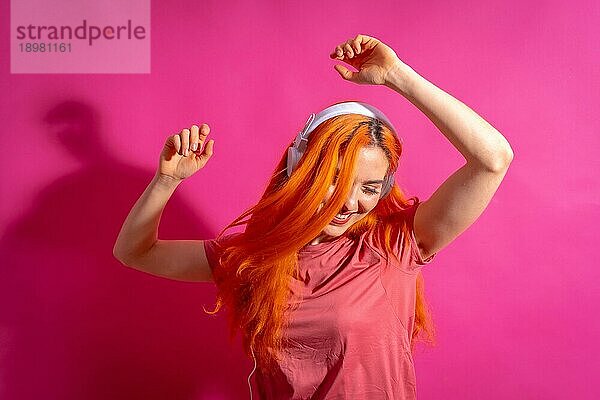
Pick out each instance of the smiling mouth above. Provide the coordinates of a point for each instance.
(341, 221)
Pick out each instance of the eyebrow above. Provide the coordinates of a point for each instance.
(371, 182)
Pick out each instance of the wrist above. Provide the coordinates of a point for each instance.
(166, 181)
(400, 78)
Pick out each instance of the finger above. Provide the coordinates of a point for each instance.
(208, 149)
(367, 42)
(207, 153)
(348, 50)
(346, 73)
(185, 141)
(337, 53)
(194, 137)
(204, 131)
(176, 140)
(356, 45)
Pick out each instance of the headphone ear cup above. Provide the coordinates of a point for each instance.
(292, 160)
(388, 183)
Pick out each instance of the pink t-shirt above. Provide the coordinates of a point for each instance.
(350, 336)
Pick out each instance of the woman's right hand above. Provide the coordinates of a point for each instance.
(185, 153)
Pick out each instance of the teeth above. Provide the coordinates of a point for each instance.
(342, 217)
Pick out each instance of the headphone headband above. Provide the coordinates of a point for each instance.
(298, 148)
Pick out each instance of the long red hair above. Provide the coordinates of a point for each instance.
(253, 278)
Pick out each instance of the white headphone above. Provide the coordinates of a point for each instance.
(298, 148)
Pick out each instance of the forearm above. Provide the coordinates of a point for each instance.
(140, 229)
(477, 140)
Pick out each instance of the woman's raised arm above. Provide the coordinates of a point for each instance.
(137, 244)
(463, 196)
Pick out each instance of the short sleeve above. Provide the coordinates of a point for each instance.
(213, 249)
(406, 248)
(416, 258)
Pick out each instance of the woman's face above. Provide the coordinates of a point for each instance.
(372, 166)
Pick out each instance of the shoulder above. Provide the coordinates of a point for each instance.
(214, 247)
(397, 231)
(223, 240)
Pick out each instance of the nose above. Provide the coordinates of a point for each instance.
(351, 204)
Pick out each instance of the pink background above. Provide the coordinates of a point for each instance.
(515, 297)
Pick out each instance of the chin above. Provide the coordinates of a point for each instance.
(335, 230)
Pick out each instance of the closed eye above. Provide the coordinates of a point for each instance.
(370, 192)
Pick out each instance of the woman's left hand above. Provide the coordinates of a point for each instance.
(369, 56)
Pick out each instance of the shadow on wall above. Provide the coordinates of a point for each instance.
(77, 323)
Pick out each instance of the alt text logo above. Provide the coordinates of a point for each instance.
(80, 36)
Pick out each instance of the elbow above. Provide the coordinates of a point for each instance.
(502, 160)
(118, 254)
(125, 262)
(508, 153)
(506, 158)
(119, 258)
(127, 257)
(501, 155)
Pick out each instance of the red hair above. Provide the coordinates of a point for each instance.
(253, 279)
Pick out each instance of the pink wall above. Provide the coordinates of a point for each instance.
(515, 298)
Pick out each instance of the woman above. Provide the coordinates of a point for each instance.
(324, 283)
